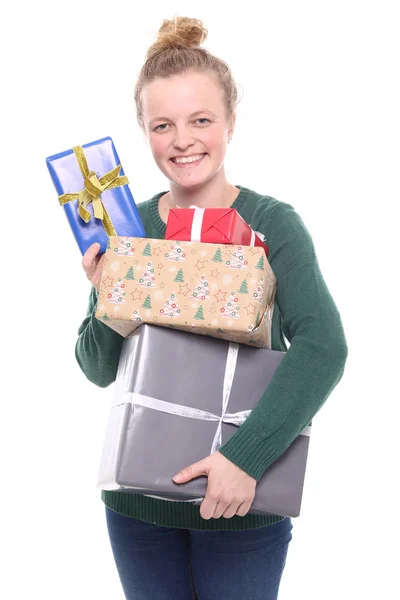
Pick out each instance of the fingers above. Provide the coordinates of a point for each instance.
(208, 506)
(90, 254)
(243, 509)
(89, 261)
(219, 510)
(215, 506)
(231, 510)
(189, 473)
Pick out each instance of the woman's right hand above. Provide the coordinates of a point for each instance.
(93, 265)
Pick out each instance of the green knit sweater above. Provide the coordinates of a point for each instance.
(304, 313)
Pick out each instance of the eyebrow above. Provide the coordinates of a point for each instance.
(198, 112)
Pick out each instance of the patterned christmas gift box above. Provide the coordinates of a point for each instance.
(166, 414)
(95, 194)
(209, 289)
(213, 226)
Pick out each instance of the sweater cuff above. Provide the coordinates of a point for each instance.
(248, 451)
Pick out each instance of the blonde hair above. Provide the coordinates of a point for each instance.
(177, 49)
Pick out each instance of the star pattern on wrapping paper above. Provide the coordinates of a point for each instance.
(200, 264)
(156, 251)
(229, 250)
(184, 289)
(220, 296)
(254, 250)
(186, 307)
(136, 294)
(212, 310)
(215, 273)
(193, 251)
(105, 261)
(108, 282)
(155, 319)
(162, 285)
(251, 309)
(160, 266)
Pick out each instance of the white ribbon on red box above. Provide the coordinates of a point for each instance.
(197, 224)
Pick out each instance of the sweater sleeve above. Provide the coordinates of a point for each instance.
(314, 363)
(98, 347)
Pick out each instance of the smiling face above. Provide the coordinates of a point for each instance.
(186, 122)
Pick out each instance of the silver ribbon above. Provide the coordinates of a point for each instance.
(195, 413)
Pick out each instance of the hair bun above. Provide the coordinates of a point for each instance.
(180, 32)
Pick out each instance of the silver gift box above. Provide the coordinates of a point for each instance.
(177, 398)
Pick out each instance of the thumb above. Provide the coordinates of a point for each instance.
(195, 470)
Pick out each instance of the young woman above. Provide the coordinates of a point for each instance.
(186, 100)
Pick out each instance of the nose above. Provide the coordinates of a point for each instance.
(183, 138)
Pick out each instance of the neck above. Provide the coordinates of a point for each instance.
(217, 193)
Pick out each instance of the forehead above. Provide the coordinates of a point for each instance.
(183, 94)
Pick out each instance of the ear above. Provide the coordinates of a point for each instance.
(145, 135)
(145, 138)
(231, 127)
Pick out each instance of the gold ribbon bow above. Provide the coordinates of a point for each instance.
(93, 187)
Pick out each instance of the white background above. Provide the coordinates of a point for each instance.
(318, 127)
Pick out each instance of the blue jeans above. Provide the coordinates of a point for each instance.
(164, 563)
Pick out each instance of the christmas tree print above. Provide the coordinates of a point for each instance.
(231, 308)
(171, 308)
(258, 292)
(199, 314)
(147, 303)
(260, 264)
(124, 247)
(147, 250)
(117, 294)
(257, 323)
(130, 274)
(105, 317)
(147, 279)
(108, 243)
(136, 317)
(237, 260)
(175, 253)
(217, 256)
(243, 288)
(201, 291)
(179, 276)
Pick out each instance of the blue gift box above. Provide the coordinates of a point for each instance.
(68, 178)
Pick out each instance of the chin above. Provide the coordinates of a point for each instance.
(189, 183)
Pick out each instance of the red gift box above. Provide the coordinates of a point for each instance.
(212, 226)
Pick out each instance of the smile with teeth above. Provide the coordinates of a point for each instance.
(183, 160)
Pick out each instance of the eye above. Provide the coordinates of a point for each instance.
(203, 121)
(161, 127)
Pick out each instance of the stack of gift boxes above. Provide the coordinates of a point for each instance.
(178, 397)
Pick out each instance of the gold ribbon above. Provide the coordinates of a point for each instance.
(93, 187)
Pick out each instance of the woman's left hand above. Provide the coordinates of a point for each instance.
(230, 491)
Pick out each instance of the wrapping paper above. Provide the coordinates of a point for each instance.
(101, 158)
(210, 392)
(213, 226)
(208, 289)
